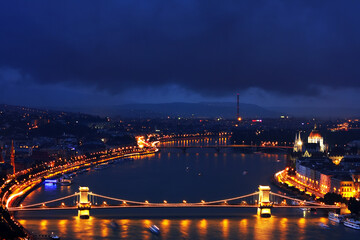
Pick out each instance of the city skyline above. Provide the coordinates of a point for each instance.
(181, 119)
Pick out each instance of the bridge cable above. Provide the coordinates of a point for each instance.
(143, 203)
(294, 199)
(55, 200)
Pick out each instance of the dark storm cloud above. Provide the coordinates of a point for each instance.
(211, 47)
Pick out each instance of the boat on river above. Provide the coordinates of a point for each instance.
(335, 217)
(352, 223)
(54, 237)
(113, 225)
(154, 229)
(323, 225)
(65, 181)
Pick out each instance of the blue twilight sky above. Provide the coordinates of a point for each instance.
(273, 52)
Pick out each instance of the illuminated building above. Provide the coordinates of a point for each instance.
(298, 144)
(316, 138)
(344, 185)
(323, 176)
(336, 154)
(313, 147)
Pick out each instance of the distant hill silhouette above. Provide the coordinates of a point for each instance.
(201, 110)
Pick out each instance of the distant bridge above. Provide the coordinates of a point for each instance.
(218, 147)
(226, 146)
(84, 201)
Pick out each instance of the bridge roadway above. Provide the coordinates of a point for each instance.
(122, 203)
(174, 205)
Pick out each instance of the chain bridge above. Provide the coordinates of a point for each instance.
(84, 200)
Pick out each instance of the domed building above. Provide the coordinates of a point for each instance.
(314, 145)
(315, 137)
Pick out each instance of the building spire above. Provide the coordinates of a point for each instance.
(297, 143)
(12, 156)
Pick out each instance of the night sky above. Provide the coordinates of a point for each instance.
(273, 52)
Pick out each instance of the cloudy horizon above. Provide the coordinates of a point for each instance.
(274, 53)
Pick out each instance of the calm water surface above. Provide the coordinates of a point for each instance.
(174, 175)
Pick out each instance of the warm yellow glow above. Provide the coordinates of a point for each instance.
(225, 228)
(165, 222)
(43, 225)
(301, 222)
(147, 223)
(184, 223)
(124, 221)
(184, 228)
(202, 228)
(12, 197)
(243, 228)
(165, 228)
(265, 211)
(203, 224)
(85, 212)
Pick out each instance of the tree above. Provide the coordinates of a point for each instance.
(354, 206)
(332, 198)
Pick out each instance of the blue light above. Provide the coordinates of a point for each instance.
(50, 186)
(51, 181)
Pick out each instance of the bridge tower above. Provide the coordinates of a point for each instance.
(84, 205)
(264, 209)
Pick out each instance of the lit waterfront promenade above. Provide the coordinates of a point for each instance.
(283, 177)
(18, 185)
(17, 189)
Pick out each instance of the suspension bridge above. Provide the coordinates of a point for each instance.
(84, 200)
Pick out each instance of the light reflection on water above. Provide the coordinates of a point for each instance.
(252, 227)
(165, 176)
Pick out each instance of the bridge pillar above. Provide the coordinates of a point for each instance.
(84, 205)
(264, 209)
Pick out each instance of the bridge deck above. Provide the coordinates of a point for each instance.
(180, 205)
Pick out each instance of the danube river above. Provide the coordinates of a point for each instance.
(174, 175)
